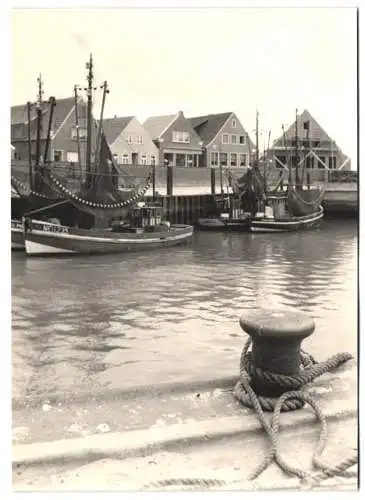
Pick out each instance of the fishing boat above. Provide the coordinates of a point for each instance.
(294, 208)
(228, 215)
(146, 229)
(140, 225)
(38, 196)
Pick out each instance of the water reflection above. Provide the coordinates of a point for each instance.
(86, 325)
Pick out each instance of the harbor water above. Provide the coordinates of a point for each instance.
(86, 330)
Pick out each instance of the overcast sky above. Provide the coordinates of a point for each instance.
(200, 61)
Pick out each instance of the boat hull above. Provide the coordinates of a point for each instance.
(269, 225)
(50, 239)
(17, 235)
(226, 225)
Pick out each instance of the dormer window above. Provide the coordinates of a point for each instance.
(234, 122)
(180, 137)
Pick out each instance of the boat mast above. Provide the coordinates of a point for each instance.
(52, 103)
(29, 105)
(89, 89)
(39, 119)
(290, 177)
(265, 161)
(257, 138)
(76, 88)
(296, 149)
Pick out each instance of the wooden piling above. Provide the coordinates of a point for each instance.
(212, 180)
(169, 180)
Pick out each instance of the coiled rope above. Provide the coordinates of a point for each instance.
(290, 400)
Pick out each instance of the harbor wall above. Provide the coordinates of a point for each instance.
(186, 193)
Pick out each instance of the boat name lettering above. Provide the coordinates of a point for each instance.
(55, 229)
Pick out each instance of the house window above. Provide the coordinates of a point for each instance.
(214, 159)
(57, 155)
(180, 160)
(332, 162)
(233, 139)
(139, 139)
(153, 160)
(225, 138)
(280, 161)
(234, 123)
(233, 159)
(82, 133)
(323, 160)
(242, 139)
(125, 159)
(129, 139)
(224, 159)
(309, 162)
(180, 136)
(243, 160)
(72, 157)
(143, 159)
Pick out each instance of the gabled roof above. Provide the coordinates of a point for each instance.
(155, 125)
(316, 132)
(19, 128)
(207, 127)
(114, 126)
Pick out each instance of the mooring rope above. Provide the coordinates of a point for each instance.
(292, 399)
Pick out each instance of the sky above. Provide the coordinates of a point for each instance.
(204, 60)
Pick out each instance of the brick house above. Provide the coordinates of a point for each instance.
(63, 143)
(129, 141)
(178, 143)
(314, 145)
(226, 142)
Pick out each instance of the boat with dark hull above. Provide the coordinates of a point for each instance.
(118, 221)
(268, 224)
(227, 215)
(293, 207)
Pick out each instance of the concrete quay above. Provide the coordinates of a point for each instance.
(206, 438)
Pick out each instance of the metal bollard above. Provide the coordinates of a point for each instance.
(276, 339)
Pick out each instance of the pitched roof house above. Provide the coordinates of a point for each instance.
(225, 140)
(63, 143)
(129, 141)
(315, 146)
(178, 143)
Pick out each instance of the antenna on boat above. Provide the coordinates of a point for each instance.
(39, 118)
(76, 88)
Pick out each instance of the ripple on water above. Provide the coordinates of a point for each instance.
(83, 326)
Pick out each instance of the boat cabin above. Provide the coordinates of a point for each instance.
(276, 207)
(146, 215)
(143, 217)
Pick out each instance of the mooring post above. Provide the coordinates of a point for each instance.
(212, 180)
(276, 339)
(169, 180)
